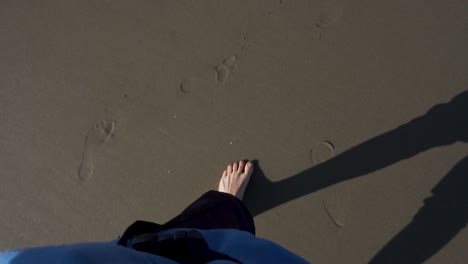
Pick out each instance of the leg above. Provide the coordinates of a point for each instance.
(213, 210)
(221, 209)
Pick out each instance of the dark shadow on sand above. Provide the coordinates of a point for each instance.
(442, 125)
(443, 215)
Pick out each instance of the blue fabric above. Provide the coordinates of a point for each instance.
(238, 244)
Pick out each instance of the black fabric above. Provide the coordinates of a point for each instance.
(181, 246)
(213, 210)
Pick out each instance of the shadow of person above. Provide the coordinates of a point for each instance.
(443, 124)
(443, 215)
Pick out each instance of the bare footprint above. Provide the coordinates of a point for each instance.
(329, 14)
(97, 136)
(336, 200)
(336, 204)
(321, 152)
(186, 85)
(224, 70)
(199, 83)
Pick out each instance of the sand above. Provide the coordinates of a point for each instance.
(113, 111)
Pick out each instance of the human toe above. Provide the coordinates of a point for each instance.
(235, 167)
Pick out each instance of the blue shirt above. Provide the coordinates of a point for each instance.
(237, 244)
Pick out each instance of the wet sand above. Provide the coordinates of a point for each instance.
(113, 111)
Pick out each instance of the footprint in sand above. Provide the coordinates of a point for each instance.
(204, 81)
(336, 204)
(98, 135)
(329, 14)
(224, 70)
(186, 85)
(197, 83)
(321, 152)
(336, 200)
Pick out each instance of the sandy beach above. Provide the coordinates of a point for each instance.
(113, 111)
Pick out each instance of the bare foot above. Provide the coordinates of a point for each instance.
(235, 178)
